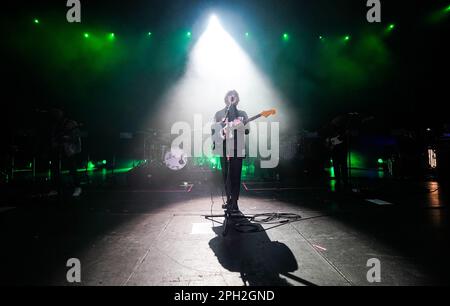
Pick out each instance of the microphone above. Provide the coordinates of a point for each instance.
(232, 100)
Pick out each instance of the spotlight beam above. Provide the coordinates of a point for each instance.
(217, 64)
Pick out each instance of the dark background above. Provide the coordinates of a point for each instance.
(45, 65)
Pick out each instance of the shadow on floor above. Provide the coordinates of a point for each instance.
(259, 260)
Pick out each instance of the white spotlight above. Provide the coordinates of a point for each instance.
(216, 55)
(216, 65)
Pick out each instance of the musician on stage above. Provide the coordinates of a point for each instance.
(339, 155)
(337, 142)
(65, 147)
(233, 147)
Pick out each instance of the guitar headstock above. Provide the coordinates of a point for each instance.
(268, 112)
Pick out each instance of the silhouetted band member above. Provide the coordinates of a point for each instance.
(65, 146)
(337, 141)
(234, 153)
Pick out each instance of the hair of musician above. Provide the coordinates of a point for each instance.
(232, 92)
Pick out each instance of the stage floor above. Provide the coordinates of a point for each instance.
(159, 237)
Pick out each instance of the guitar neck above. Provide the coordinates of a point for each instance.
(251, 119)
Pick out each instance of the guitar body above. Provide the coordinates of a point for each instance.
(225, 130)
(332, 142)
(337, 140)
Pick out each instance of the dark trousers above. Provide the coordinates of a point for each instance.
(58, 159)
(339, 155)
(231, 171)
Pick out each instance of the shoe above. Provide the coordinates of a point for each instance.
(77, 192)
(226, 205)
(52, 193)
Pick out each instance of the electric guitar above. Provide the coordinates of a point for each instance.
(331, 142)
(220, 132)
(337, 139)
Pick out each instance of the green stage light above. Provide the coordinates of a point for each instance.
(86, 35)
(247, 34)
(347, 38)
(111, 36)
(285, 36)
(149, 34)
(104, 162)
(380, 160)
(36, 21)
(390, 28)
(439, 15)
(188, 34)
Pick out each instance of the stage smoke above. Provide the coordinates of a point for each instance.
(216, 65)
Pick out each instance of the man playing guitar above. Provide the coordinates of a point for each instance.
(228, 135)
(233, 133)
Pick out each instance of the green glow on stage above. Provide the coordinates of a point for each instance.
(333, 185)
(439, 15)
(188, 34)
(111, 36)
(380, 160)
(36, 21)
(347, 38)
(286, 36)
(358, 160)
(248, 168)
(213, 163)
(332, 172)
(104, 162)
(86, 35)
(353, 63)
(149, 34)
(247, 34)
(90, 166)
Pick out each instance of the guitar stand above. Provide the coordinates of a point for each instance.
(228, 217)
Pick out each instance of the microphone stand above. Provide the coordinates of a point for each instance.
(227, 112)
(227, 180)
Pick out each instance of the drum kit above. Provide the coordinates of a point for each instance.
(161, 164)
(158, 151)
